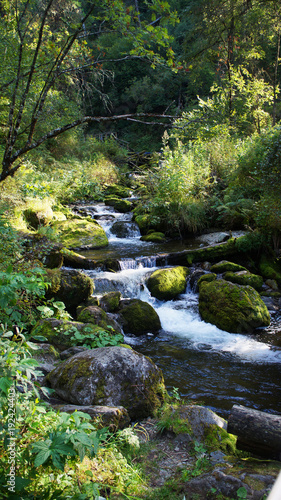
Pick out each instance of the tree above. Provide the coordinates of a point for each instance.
(50, 48)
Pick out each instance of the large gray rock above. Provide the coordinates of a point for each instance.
(110, 376)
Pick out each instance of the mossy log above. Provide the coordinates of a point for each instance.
(258, 432)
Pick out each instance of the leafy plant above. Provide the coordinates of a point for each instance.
(54, 309)
(18, 294)
(74, 436)
(101, 338)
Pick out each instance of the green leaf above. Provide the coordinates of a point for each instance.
(42, 457)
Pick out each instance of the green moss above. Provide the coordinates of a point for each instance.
(217, 438)
(245, 278)
(110, 302)
(139, 318)
(224, 266)
(233, 308)
(69, 286)
(117, 190)
(122, 206)
(154, 237)
(77, 367)
(270, 268)
(80, 233)
(207, 277)
(167, 284)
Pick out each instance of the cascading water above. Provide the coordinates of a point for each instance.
(205, 363)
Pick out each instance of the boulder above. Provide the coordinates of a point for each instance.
(245, 278)
(155, 237)
(233, 308)
(206, 277)
(69, 286)
(97, 316)
(110, 376)
(224, 265)
(60, 333)
(121, 191)
(122, 206)
(270, 268)
(139, 317)
(200, 420)
(40, 217)
(110, 301)
(80, 233)
(47, 357)
(167, 284)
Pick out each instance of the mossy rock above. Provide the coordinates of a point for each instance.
(59, 332)
(46, 355)
(80, 233)
(144, 222)
(69, 286)
(121, 191)
(97, 316)
(167, 284)
(154, 237)
(110, 376)
(40, 217)
(110, 302)
(233, 308)
(224, 265)
(122, 206)
(206, 277)
(270, 268)
(139, 317)
(245, 278)
(59, 216)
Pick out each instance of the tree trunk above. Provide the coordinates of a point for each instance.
(258, 432)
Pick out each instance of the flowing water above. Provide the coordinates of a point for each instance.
(206, 364)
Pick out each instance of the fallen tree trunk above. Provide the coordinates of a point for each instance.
(257, 432)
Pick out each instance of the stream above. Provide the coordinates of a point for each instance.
(207, 365)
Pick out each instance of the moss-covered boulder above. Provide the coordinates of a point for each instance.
(110, 301)
(154, 237)
(110, 376)
(80, 233)
(69, 286)
(144, 222)
(206, 277)
(61, 333)
(41, 216)
(121, 191)
(233, 308)
(97, 316)
(139, 317)
(224, 266)
(270, 268)
(167, 284)
(120, 205)
(245, 278)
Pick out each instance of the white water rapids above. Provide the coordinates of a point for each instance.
(205, 363)
(181, 317)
